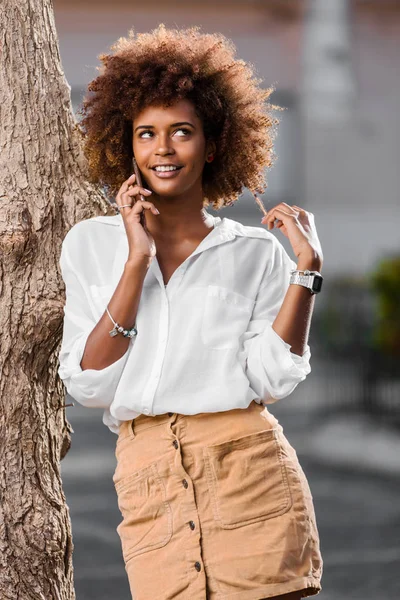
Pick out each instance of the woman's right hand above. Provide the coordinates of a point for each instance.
(141, 242)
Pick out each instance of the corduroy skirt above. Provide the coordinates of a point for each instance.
(214, 506)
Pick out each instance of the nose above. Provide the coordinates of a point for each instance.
(164, 147)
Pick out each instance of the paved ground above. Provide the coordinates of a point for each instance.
(353, 469)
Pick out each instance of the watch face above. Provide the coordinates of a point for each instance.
(317, 284)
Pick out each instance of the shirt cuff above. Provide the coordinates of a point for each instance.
(272, 369)
(90, 387)
(111, 422)
(299, 365)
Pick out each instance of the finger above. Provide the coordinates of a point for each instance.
(138, 209)
(287, 206)
(124, 187)
(298, 208)
(127, 183)
(269, 220)
(276, 214)
(280, 206)
(126, 201)
(130, 179)
(140, 206)
(136, 190)
(278, 222)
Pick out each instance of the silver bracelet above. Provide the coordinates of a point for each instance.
(118, 329)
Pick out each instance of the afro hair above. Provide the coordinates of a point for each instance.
(160, 68)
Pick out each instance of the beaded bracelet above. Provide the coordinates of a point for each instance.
(117, 328)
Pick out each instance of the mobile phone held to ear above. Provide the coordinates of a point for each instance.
(139, 183)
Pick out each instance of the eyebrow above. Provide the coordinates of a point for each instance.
(172, 125)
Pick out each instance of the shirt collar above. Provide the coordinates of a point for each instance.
(227, 228)
(224, 230)
(117, 220)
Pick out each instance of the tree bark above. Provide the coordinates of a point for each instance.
(44, 191)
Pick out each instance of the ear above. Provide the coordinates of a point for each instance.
(211, 149)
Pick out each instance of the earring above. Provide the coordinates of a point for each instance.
(210, 157)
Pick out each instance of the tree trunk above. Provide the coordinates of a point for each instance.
(44, 191)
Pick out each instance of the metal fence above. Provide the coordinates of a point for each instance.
(355, 372)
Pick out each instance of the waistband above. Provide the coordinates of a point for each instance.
(145, 421)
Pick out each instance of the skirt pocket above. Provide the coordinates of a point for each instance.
(147, 515)
(247, 479)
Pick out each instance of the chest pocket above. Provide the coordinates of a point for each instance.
(226, 315)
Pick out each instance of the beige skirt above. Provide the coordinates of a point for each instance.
(214, 506)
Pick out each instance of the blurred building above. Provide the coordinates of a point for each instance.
(334, 65)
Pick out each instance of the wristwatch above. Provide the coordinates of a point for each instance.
(309, 279)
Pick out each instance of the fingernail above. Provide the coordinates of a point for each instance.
(157, 211)
(146, 190)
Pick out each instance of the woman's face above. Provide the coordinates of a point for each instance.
(170, 136)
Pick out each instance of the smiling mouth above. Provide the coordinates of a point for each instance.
(166, 172)
(165, 168)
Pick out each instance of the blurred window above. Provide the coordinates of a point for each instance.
(284, 180)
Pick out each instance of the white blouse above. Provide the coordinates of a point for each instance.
(205, 341)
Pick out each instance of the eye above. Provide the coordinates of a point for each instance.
(146, 134)
(186, 131)
(142, 134)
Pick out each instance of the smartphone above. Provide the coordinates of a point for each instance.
(139, 182)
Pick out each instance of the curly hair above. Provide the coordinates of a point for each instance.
(160, 68)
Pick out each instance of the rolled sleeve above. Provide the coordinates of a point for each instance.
(90, 387)
(272, 369)
(111, 422)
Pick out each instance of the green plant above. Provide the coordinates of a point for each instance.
(385, 284)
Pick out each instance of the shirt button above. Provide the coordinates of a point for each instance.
(146, 411)
(175, 443)
(197, 566)
(185, 483)
(170, 414)
(192, 525)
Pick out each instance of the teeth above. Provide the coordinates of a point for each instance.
(162, 169)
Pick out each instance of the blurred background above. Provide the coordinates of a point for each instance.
(334, 64)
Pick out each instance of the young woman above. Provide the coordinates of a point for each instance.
(183, 326)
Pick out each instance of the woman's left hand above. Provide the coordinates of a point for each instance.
(298, 226)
